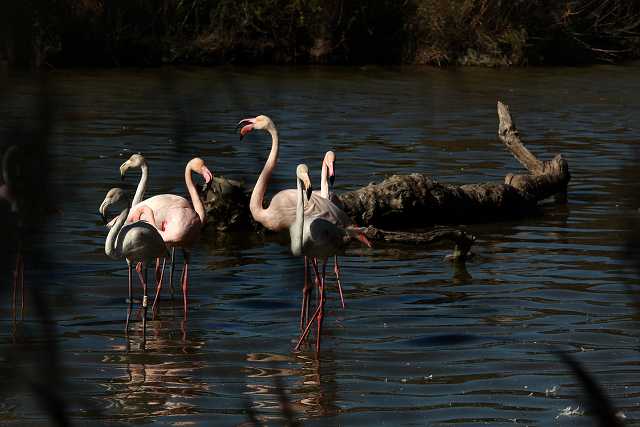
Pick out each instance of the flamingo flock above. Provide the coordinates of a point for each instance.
(148, 230)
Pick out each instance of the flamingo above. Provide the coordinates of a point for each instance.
(314, 236)
(8, 194)
(178, 221)
(137, 242)
(281, 212)
(138, 161)
(326, 190)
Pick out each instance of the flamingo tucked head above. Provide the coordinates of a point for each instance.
(135, 161)
(302, 172)
(329, 160)
(259, 122)
(198, 166)
(113, 196)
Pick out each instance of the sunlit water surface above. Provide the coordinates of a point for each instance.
(420, 342)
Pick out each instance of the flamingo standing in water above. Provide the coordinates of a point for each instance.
(281, 212)
(316, 237)
(137, 242)
(326, 190)
(178, 221)
(138, 161)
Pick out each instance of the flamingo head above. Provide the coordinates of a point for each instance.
(198, 166)
(135, 161)
(259, 122)
(358, 234)
(302, 172)
(329, 160)
(113, 196)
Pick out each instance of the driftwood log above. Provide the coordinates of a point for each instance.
(417, 200)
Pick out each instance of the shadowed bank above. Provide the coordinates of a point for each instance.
(466, 32)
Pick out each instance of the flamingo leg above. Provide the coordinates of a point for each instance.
(173, 265)
(336, 269)
(144, 301)
(304, 311)
(154, 308)
(185, 281)
(126, 325)
(321, 305)
(306, 331)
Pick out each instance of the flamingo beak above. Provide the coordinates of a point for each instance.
(245, 126)
(103, 212)
(332, 175)
(206, 173)
(123, 169)
(360, 236)
(307, 186)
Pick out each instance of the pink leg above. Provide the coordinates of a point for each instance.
(304, 311)
(154, 308)
(336, 269)
(144, 303)
(185, 282)
(321, 305)
(307, 329)
(126, 325)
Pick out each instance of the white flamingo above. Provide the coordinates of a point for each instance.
(137, 242)
(314, 236)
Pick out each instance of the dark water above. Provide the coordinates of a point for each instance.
(420, 342)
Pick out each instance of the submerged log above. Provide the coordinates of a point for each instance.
(417, 200)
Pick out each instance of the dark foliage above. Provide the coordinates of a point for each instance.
(473, 32)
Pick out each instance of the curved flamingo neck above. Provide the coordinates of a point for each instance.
(113, 244)
(193, 192)
(257, 196)
(296, 231)
(145, 211)
(142, 185)
(324, 181)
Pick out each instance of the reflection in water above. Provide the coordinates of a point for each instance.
(160, 380)
(312, 394)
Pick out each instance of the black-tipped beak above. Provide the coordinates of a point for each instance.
(332, 179)
(309, 192)
(104, 219)
(245, 126)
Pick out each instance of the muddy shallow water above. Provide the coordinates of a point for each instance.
(421, 342)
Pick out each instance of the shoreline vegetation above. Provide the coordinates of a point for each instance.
(112, 33)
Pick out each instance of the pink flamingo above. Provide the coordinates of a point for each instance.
(178, 221)
(281, 212)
